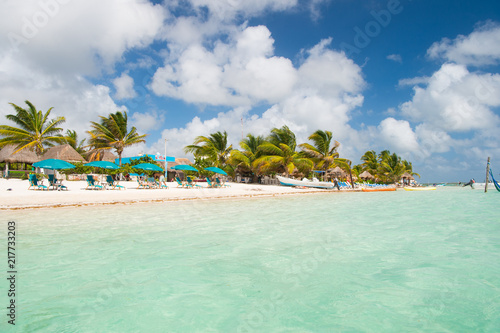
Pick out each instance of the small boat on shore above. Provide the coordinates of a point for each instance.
(378, 189)
(481, 186)
(426, 188)
(306, 183)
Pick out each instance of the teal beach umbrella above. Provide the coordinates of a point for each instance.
(53, 164)
(147, 166)
(184, 167)
(102, 164)
(216, 170)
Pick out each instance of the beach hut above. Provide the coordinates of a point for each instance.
(100, 155)
(406, 178)
(337, 172)
(178, 161)
(366, 175)
(65, 153)
(8, 155)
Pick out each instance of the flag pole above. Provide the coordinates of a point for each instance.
(166, 179)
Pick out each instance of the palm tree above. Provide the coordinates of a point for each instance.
(322, 153)
(370, 162)
(244, 159)
(384, 155)
(409, 168)
(112, 133)
(279, 153)
(357, 170)
(72, 140)
(391, 166)
(214, 148)
(35, 131)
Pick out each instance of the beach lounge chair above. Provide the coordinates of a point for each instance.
(56, 184)
(180, 183)
(153, 183)
(192, 183)
(220, 183)
(113, 184)
(34, 182)
(142, 183)
(91, 183)
(210, 184)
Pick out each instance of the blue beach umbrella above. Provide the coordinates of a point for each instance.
(184, 167)
(53, 164)
(216, 170)
(147, 166)
(103, 164)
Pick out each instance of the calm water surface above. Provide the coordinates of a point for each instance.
(351, 262)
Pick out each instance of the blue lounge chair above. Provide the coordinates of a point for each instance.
(180, 183)
(221, 184)
(92, 185)
(192, 183)
(34, 183)
(153, 183)
(142, 183)
(56, 184)
(113, 184)
(210, 184)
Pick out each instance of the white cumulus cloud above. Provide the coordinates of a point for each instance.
(481, 47)
(398, 135)
(326, 88)
(240, 72)
(76, 36)
(456, 100)
(124, 86)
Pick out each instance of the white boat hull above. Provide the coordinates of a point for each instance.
(294, 182)
(480, 186)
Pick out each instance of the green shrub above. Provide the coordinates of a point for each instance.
(17, 174)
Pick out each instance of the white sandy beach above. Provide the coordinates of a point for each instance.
(14, 194)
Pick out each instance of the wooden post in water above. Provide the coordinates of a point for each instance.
(487, 175)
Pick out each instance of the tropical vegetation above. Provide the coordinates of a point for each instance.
(280, 153)
(112, 133)
(213, 148)
(276, 153)
(35, 131)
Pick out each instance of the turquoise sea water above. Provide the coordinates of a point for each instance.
(342, 262)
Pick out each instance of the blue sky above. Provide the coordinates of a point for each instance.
(418, 77)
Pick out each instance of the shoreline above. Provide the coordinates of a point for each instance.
(20, 198)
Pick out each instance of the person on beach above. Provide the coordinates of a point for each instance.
(470, 183)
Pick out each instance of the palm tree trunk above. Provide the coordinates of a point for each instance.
(254, 178)
(120, 164)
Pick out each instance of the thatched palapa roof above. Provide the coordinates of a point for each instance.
(178, 161)
(103, 155)
(338, 171)
(63, 152)
(366, 175)
(23, 156)
(407, 176)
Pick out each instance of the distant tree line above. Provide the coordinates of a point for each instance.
(277, 153)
